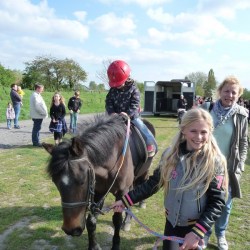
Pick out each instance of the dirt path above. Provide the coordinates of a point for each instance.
(18, 137)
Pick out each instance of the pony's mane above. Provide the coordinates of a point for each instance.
(100, 135)
(97, 137)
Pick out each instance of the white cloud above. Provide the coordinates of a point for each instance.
(128, 43)
(80, 15)
(224, 8)
(114, 25)
(142, 3)
(161, 17)
(195, 29)
(21, 17)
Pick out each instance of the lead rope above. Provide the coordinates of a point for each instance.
(122, 160)
(160, 237)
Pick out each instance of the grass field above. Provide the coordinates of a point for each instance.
(31, 216)
(93, 101)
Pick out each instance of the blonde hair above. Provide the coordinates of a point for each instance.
(201, 165)
(61, 99)
(231, 80)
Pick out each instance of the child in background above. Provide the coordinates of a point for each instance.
(74, 106)
(10, 115)
(20, 91)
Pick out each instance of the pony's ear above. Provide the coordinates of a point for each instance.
(76, 147)
(48, 147)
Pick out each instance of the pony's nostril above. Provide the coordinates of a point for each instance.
(74, 232)
(77, 231)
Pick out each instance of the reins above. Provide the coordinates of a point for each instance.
(119, 168)
(92, 206)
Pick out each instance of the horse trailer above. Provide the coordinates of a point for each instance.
(160, 98)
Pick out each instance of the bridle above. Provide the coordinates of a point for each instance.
(91, 189)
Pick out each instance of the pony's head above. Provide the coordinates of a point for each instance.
(72, 168)
(73, 175)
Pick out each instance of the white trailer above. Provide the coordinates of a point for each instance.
(160, 98)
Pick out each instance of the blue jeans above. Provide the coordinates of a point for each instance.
(37, 124)
(220, 225)
(8, 123)
(73, 121)
(146, 133)
(17, 109)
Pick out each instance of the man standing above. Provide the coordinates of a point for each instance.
(74, 106)
(38, 111)
(16, 102)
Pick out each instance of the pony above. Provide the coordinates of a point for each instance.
(90, 165)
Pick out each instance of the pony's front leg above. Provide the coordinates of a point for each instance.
(91, 228)
(117, 221)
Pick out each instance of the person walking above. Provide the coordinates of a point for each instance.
(16, 103)
(231, 132)
(193, 175)
(38, 112)
(74, 106)
(57, 114)
(124, 97)
(10, 115)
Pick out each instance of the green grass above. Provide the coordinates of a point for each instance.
(30, 199)
(93, 101)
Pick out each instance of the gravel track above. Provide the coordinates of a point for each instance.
(20, 137)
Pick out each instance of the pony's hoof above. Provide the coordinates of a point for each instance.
(127, 227)
(142, 205)
(96, 247)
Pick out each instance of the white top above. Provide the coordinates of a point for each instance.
(38, 108)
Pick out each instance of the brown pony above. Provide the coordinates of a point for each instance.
(88, 167)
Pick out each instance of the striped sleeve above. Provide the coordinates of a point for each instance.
(127, 201)
(199, 230)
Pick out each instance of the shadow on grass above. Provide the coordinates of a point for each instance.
(38, 228)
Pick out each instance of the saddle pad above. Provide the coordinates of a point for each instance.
(138, 148)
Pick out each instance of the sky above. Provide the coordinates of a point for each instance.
(159, 39)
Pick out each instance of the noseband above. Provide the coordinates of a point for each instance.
(91, 189)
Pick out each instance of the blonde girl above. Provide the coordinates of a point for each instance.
(193, 175)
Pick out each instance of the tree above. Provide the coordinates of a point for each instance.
(53, 73)
(198, 78)
(92, 85)
(140, 86)
(210, 85)
(7, 76)
(102, 74)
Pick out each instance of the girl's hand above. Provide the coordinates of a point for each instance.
(118, 206)
(191, 241)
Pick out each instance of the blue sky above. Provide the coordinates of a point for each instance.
(159, 39)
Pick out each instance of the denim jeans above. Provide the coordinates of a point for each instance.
(37, 124)
(220, 225)
(17, 109)
(146, 133)
(73, 121)
(8, 123)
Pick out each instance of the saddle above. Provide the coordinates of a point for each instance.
(138, 148)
